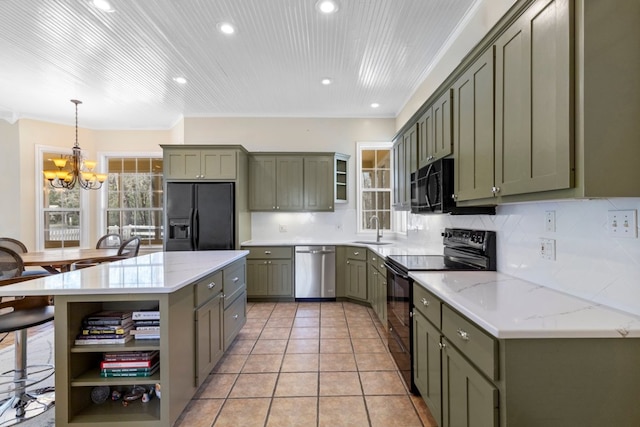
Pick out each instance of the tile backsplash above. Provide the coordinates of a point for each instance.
(589, 263)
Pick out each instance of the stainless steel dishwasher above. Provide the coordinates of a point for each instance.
(315, 272)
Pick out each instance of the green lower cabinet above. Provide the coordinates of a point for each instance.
(356, 279)
(427, 363)
(209, 341)
(269, 278)
(468, 398)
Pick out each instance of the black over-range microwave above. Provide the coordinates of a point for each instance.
(432, 189)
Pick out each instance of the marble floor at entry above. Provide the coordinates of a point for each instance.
(307, 364)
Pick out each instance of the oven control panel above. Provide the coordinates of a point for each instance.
(460, 237)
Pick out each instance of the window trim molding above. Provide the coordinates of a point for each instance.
(364, 145)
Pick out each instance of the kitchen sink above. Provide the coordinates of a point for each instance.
(372, 242)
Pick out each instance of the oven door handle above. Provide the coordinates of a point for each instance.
(396, 272)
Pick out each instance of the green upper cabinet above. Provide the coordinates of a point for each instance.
(405, 161)
(318, 183)
(199, 163)
(434, 131)
(533, 141)
(297, 182)
(473, 130)
(275, 183)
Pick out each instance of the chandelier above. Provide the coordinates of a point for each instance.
(74, 169)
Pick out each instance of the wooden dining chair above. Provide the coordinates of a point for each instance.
(110, 240)
(18, 314)
(130, 248)
(11, 264)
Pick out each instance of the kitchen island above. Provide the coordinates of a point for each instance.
(201, 298)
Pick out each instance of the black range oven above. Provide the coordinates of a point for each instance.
(464, 249)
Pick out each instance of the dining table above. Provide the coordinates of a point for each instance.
(60, 260)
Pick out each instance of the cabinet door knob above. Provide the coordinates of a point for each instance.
(235, 316)
(425, 302)
(348, 262)
(268, 262)
(356, 253)
(463, 334)
(454, 197)
(265, 262)
(211, 285)
(442, 345)
(495, 190)
(235, 279)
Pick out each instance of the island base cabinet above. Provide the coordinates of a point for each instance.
(468, 398)
(235, 317)
(209, 343)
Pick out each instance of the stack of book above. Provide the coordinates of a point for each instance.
(130, 364)
(106, 327)
(146, 325)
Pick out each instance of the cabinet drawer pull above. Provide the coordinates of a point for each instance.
(425, 302)
(235, 279)
(442, 345)
(356, 253)
(211, 285)
(348, 262)
(267, 252)
(235, 316)
(463, 334)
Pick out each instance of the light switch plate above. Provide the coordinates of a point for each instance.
(548, 249)
(623, 223)
(550, 221)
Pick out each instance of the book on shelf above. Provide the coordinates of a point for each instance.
(129, 364)
(106, 374)
(147, 328)
(89, 340)
(106, 330)
(154, 367)
(147, 337)
(108, 322)
(130, 355)
(109, 315)
(100, 337)
(146, 315)
(147, 322)
(136, 332)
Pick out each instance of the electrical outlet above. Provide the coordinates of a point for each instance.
(339, 227)
(550, 221)
(283, 228)
(548, 249)
(623, 223)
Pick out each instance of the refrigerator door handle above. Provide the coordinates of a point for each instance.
(196, 230)
(191, 229)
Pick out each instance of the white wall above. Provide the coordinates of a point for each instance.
(589, 263)
(10, 219)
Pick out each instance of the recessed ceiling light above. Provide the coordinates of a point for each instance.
(326, 81)
(375, 105)
(226, 28)
(180, 80)
(103, 5)
(327, 6)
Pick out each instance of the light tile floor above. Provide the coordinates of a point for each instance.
(307, 364)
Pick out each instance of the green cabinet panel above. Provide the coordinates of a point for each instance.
(270, 272)
(398, 174)
(377, 285)
(434, 131)
(427, 363)
(209, 342)
(405, 161)
(468, 398)
(473, 130)
(318, 183)
(289, 189)
(533, 90)
(356, 277)
(196, 163)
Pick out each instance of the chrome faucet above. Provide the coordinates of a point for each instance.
(378, 231)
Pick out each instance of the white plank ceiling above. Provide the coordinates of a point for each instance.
(122, 64)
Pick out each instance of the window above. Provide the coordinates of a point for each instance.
(374, 185)
(60, 221)
(134, 199)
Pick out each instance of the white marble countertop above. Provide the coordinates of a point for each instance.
(390, 247)
(159, 272)
(508, 307)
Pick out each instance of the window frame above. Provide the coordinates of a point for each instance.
(104, 202)
(360, 147)
(39, 180)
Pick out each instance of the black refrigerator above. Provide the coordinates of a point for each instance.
(199, 216)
